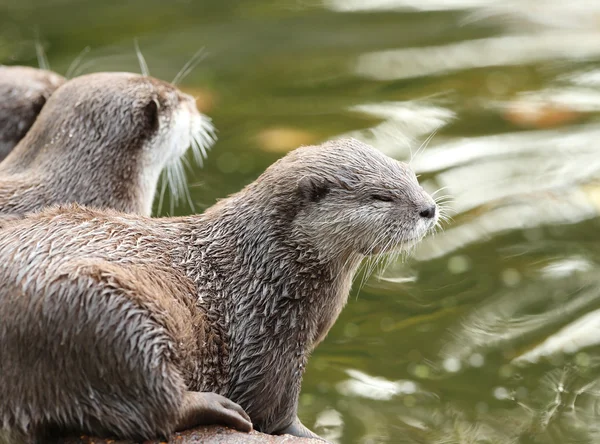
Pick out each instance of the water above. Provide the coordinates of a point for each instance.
(489, 334)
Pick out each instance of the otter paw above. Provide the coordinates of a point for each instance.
(204, 408)
(299, 430)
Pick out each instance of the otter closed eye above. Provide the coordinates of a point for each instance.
(382, 197)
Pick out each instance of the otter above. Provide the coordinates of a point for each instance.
(102, 140)
(122, 325)
(23, 93)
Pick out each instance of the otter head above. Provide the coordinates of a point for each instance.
(111, 134)
(23, 93)
(351, 200)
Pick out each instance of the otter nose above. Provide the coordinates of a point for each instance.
(428, 213)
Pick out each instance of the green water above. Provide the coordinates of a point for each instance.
(489, 333)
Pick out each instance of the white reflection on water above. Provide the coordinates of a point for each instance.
(525, 14)
(508, 316)
(585, 78)
(329, 425)
(566, 267)
(519, 317)
(568, 206)
(547, 13)
(545, 144)
(521, 180)
(580, 99)
(495, 51)
(387, 5)
(374, 387)
(404, 123)
(582, 333)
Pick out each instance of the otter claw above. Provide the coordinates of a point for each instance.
(204, 408)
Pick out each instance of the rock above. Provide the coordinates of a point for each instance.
(205, 435)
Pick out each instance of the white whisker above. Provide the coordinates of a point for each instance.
(438, 190)
(163, 188)
(423, 145)
(189, 66)
(76, 62)
(202, 137)
(142, 61)
(41, 56)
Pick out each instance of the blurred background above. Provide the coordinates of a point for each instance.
(489, 333)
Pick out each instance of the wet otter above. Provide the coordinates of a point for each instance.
(102, 140)
(127, 318)
(23, 93)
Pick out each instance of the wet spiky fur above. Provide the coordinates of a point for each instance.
(134, 311)
(102, 140)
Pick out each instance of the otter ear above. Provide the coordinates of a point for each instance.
(313, 188)
(151, 111)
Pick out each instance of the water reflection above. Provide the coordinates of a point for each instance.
(490, 52)
(377, 388)
(520, 361)
(403, 125)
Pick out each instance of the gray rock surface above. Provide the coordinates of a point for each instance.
(205, 435)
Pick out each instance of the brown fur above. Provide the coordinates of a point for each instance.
(231, 302)
(101, 140)
(23, 93)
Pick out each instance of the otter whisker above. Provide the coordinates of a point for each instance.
(203, 137)
(438, 190)
(41, 55)
(389, 260)
(83, 67)
(174, 193)
(444, 211)
(186, 162)
(365, 267)
(390, 257)
(423, 145)
(142, 61)
(178, 184)
(163, 188)
(197, 152)
(189, 66)
(445, 203)
(445, 217)
(188, 197)
(373, 261)
(444, 198)
(76, 62)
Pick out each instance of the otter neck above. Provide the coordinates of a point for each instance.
(277, 299)
(118, 183)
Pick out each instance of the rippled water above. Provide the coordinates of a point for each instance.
(489, 334)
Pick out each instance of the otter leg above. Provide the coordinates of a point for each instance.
(210, 408)
(298, 429)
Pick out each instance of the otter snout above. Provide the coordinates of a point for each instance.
(188, 102)
(428, 212)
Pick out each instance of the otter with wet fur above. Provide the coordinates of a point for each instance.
(23, 93)
(137, 327)
(102, 140)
